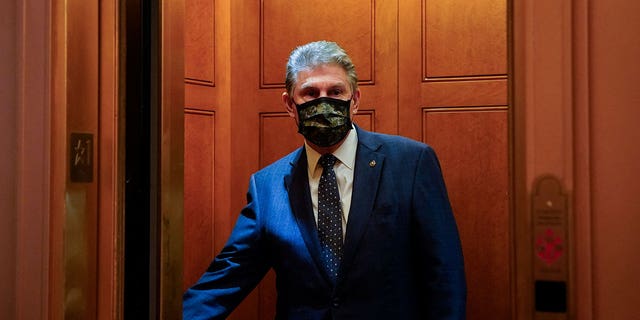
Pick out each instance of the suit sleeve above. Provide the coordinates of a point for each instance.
(438, 252)
(232, 275)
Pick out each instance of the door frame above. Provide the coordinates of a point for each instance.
(551, 137)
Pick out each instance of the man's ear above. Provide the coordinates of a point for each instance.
(356, 101)
(288, 104)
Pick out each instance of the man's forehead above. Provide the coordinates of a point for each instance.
(314, 82)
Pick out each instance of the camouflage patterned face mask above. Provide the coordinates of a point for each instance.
(324, 121)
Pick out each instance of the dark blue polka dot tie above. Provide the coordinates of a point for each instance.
(329, 216)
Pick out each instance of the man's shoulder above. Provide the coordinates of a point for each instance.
(282, 165)
(391, 142)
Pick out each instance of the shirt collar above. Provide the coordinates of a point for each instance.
(346, 153)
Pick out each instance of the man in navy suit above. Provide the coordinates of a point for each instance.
(356, 225)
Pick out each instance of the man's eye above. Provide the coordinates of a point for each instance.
(336, 92)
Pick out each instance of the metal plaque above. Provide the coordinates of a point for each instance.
(81, 157)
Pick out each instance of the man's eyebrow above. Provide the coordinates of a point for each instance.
(334, 85)
(305, 85)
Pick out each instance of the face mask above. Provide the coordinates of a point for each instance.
(324, 121)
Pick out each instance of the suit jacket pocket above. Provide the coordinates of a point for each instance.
(383, 221)
(384, 213)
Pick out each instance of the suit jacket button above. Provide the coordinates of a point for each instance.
(336, 302)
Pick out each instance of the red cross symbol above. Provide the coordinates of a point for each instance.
(549, 247)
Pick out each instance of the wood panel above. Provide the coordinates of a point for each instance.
(464, 93)
(278, 137)
(457, 101)
(462, 48)
(267, 297)
(12, 180)
(472, 148)
(111, 171)
(170, 138)
(199, 31)
(205, 44)
(464, 38)
(365, 119)
(207, 123)
(199, 221)
(355, 16)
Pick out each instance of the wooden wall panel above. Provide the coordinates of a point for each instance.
(205, 45)
(365, 119)
(472, 147)
(199, 40)
(9, 164)
(111, 172)
(199, 221)
(464, 38)
(464, 93)
(207, 120)
(267, 296)
(278, 136)
(462, 111)
(311, 20)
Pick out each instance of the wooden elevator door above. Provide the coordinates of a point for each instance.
(432, 71)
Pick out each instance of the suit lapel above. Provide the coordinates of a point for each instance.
(300, 198)
(368, 169)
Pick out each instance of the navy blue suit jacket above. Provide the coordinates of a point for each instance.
(402, 254)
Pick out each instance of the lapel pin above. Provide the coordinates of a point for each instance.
(372, 163)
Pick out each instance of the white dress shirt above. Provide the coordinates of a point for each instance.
(343, 168)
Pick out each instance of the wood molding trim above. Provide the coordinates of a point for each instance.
(551, 136)
(582, 223)
(58, 161)
(34, 165)
(171, 169)
(111, 171)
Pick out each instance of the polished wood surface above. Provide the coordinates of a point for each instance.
(464, 39)
(78, 219)
(458, 103)
(207, 217)
(199, 42)
(170, 141)
(286, 24)
(199, 196)
(472, 148)
(111, 170)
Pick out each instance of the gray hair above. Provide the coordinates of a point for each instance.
(314, 54)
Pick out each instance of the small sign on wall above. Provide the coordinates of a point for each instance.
(551, 249)
(81, 157)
